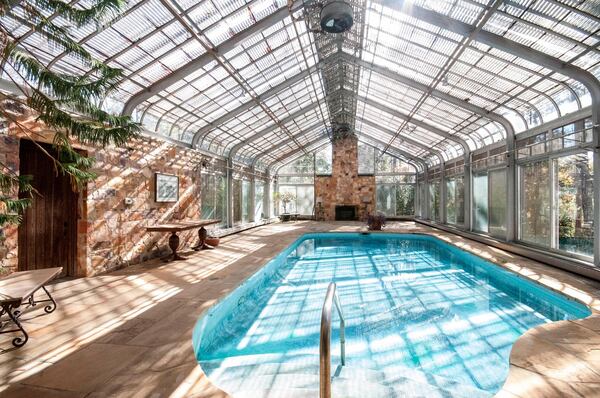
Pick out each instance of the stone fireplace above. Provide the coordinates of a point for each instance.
(346, 213)
(345, 189)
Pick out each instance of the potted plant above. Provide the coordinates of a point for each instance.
(375, 222)
(284, 198)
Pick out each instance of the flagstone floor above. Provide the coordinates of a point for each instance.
(128, 333)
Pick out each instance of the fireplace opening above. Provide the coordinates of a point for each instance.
(346, 213)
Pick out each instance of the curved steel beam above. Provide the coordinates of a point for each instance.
(289, 156)
(284, 142)
(206, 58)
(397, 153)
(434, 93)
(416, 122)
(404, 138)
(556, 65)
(400, 154)
(250, 104)
(373, 103)
(272, 128)
(502, 43)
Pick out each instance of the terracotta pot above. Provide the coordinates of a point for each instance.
(211, 241)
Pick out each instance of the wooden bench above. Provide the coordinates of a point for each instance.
(19, 288)
(175, 227)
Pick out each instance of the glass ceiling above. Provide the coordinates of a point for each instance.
(253, 80)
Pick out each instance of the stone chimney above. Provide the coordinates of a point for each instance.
(345, 187)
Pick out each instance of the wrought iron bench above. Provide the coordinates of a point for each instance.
(18, 289)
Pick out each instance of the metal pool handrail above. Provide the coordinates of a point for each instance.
(325, 342)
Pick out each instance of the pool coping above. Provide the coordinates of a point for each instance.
(539, 356)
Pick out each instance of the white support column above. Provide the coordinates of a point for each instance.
(442, 208)
(267, 196)
(229, 192)
(426, 214)
(596, 132)
(512, 190)
(275, 207)
(252, 215)
(417, 199)
(467, 192)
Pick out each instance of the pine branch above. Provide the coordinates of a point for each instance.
(10, 219)
(101, 10)
(15, 206)
(65, 103)
(102, 128)
(60, 37)
(62, 86)
(11, 207)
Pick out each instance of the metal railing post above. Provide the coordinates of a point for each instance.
(325, 340)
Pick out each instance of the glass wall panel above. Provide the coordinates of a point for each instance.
(304, 199)
(434, 200)
(455, 200)
(290, 207)
(405, 200)
(305, 195)
(450, 204)
(303, 165)
(480, 202)
(395, 199)
(213, 197)
(497, 202)
(259, 201)
(221, 199)
(535, 206)
(366, 159)
(389, 164)
(273, 210)
(207, 196)
(573, 190)
(423, 195)
(237, 201)
(246, 201)
(324, 160)
(386, 199)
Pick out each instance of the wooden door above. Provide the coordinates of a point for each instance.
(48, 233)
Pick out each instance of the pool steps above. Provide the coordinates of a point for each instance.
(300, 378)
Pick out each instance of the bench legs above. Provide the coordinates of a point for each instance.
(32, 302)
(14, 314)
(14, 317)
(50, 307)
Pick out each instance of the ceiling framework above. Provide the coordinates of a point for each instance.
(340, 78)
(252, 80)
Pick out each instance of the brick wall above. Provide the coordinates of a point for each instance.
(111, 234)
(345, 186)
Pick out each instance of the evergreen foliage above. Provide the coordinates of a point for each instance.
(69, 105)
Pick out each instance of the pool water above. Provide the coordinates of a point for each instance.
(416, 309)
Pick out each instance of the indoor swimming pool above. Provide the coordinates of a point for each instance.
(423, 319)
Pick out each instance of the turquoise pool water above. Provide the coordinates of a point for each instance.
(417, 310)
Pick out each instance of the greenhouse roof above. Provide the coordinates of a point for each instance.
(427, 80)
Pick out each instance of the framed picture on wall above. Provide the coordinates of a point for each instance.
(167, 188)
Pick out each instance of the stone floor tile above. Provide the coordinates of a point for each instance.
(88, 368)
(23, 391)
(128, 333)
